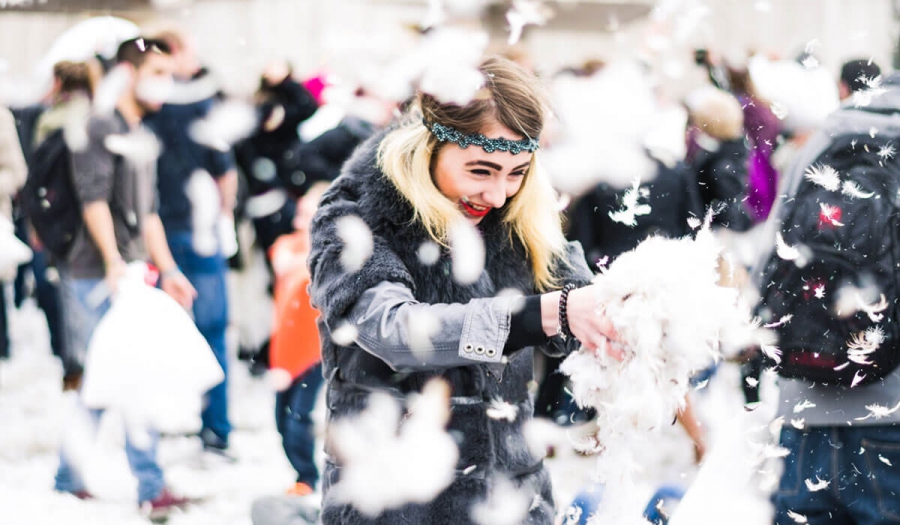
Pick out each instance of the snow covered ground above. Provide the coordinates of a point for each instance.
(33, 412)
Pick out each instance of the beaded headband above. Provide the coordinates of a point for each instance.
(448, 134)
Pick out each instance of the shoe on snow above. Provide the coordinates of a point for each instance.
(159, 508)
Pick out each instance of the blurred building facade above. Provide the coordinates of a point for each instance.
(236, 38)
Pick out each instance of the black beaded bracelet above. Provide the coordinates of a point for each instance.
(564, 330)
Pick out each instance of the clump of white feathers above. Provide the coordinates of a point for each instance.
(386, 468)
(673, 318)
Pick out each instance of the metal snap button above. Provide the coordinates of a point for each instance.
(468, 348)
(479, 350)
(490, 352)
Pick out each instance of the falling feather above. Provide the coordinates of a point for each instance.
(799, 424)
(779, 111)
(772, 352)
(819, 291)
(830, 214)
(820, 484)
(429, 253)
(824, 176)
(884, 460)
(799, 518)
(810, 62)
(785, 319)
(873, 310)
(357, 240)
(630, 207)
(887, 152)
(786, 252)
(224, 125)
(502, 410)
(504, 504)
(523, 13)
(467, 251)
(859, 376)
(803, 405)
(345, 334)
(879, 411)
(851, 189)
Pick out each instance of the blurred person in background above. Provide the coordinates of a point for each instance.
(13, 172)
(69, 99)
(295, 347)
(68, 104)
(186, 170)
(763, 131)
(120, 225)
(857, 76)
(849, 439)
(269, 158)
(717, 153)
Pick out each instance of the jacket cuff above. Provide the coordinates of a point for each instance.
(526, 327)
(485, 329)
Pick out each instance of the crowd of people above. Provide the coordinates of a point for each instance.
(82, 191)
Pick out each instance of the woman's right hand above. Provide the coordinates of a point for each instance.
(589, 324)
(586, 318)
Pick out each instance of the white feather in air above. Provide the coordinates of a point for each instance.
(820, 484)
(785, 319)
(830, 214)
(631, 209)
(878, 411)
(786, 252)
(873, 310)
(502, 410)
(803, 405)
(358, 242)
(851, 189)
(824, 176)
(467, 251)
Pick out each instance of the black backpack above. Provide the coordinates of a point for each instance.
(848, 241)
(49, 199)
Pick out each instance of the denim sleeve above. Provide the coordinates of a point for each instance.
(406, 334)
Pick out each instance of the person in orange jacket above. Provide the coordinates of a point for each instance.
(295, 347)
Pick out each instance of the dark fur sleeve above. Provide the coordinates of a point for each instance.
(333, 290)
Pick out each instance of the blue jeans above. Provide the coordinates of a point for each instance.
(293, 417)
(81, 321)
(210, 310)
(862, 465)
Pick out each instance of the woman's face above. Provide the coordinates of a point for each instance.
(478, 181)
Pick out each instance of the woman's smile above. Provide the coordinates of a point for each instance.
(472, 209)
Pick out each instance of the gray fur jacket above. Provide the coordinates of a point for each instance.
(380, 299)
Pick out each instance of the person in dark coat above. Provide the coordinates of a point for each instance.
(673, 198)
(441, 164)
(717, 152)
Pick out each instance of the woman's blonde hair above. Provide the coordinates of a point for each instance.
(511, 97)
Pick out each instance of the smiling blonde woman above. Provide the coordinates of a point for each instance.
(440, 164)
